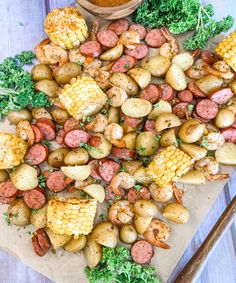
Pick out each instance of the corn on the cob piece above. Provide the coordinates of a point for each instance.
(168, 166)
(227, 50)
(82, 97)
(12, 150)
(66, 27)
(71, 216)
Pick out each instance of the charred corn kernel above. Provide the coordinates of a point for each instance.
(71, 216)
(66, 27)
(82, 97)
(227, 50)
(168, 166)
(12, 150)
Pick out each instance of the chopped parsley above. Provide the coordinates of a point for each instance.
(141, 149)
(85, 145)
(157, 105)
(190, 107)
(88, 119)
(79, 62)
(102, 216)
(126, 66)
(117, 197)
(34, 211)
(81, 124)
(210, 153)
(158, 137)
(122, 169)
(42, 181)
(178, 141)
(137, 187)
(108, 101)
(104, 111)
(229, 102)
(45, 142)
(84, 195)
(204, 142)
(6, 218)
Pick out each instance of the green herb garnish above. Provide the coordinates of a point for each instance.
(141, 149)
(104, 111)
(126, 66)
(102, 216)
(88, 119)
(137, 187)
(34, 211)
(45, 142)
(42, 181)
(230, 102)
(84, 195)
(122, 169)
(158, 137)
(178, 141)
(190, 107)
(81, 124)
(204, 142)
(6, 218)
(157, 105)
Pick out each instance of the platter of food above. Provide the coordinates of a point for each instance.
(116, 144)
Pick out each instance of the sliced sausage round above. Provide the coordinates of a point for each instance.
(180, 109)
(37, 133)
(221, 96)
(142, 252)
(155, 38)
(167, 92)
(91, 48)
(75, 137)
(206, 109)
(95, 141)
(111, 196)
(209, 57)
(56, 181)
(140, 29)
(150, 126)
(107, 38)
(139, 52)
(196, 90)
(200, 118)
(40, 241)
(124, 64)
(132, 122)
(60, 137)
(185, 96)
(7, 200)
(94, 165)
(123, 153)
(47, 127)
(229, 135)
(37, 154)
(108, 169)
(151, 93)
(71, 124)
(137, 194)
(119, 26)
(7, 189)
(35, 199)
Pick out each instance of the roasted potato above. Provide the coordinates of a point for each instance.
(18, 213)
(41, 113)
(124, 81)
(129, 140)
(146, 143)
(136, 107)
(232, 85)
(113, 53)
(176, 78)
(226, 154)
(166, 121)
(193, 177)
(24, 177)
(92, 252)
(145, 208)
(57, 240)
(3, 175)
(160, 194)
(160, 107)
(209, 83)
(96, 191)
(14, 116)
(183, 60)
(156, 65)
(224, 118)
(141, 223)
(141, 76)
(176, 212)
(168, 138)
(78, 156)
(128, 234)
(76, 245)
(41, 72)
(131, 166)
(141, 177)
(195, 151)
(102, 150)
(56, 157)
(191, 131)
(113, 115)
(79, 173)
(38, 217)
(66, 72)
(60, 116)
(49, 87)
(105, 234)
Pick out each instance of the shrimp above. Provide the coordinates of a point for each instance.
(92, 68)
(123, 179)
(232, 107)
(97, 125)
(171, 48)
(114, 133)
(117, 96)
(95, 28)
(48, 53)
(81, 184)
(25, 132)
(130, 39)
(76, 57)
(102, 79)
(219, 69)
(157, 234)
(160, 194)
(121, 212)
(213, 141)
(178, 194)
(197, 71)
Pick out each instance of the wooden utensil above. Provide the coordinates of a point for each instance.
(192, 267)
(110, 13)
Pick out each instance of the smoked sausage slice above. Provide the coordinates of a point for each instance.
(142, 252)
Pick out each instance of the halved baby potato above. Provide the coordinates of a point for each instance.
(166, 121)
(113, 53)
(105, 234)
(168, 138)
(141, 76)
(77, 172)
(160, 107)
(95, 191)
(193, 177)
(176, 78)
(136, 107)
(76, 245)
(195, 151)
(226, 154)
(57, 240)
(141, 223)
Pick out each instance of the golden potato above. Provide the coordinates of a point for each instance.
(49, 87)
(128, 234)
(41, 113)
(183, 60)
(195, 151)
(92, 252)
(125, 82)
(105, 234)
(141, 177)
(146, 143)
(113, 115)
(145, 208)
(136, 107)
(176, 212)
(166, 121)
(191, 131)
(76, 245)
(209, 83)
(56, 157)
(57, 240)
(78, 156)
(66, 72)
(3, 175)
(193, 177)
(224, 118)
(131, 166)
(168, 138)
(18, 213)
(129, 140)
(38, 217)
(102, 150)
(41, 72)
(160, 107)
(176, 78)
(160, 194)
(226, 154)
(157, 65)
(60, 116)
(14, 116)
(141, 76)
(113, 53)
(141, 223)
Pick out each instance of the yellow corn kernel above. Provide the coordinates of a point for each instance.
(164, 169)
(71, 216)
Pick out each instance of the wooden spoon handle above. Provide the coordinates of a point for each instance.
(192, 267)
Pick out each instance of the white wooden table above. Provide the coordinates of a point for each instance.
(21, 27)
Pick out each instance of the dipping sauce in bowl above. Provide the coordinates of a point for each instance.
(109, 3)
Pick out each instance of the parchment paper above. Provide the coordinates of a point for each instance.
(64, 267)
